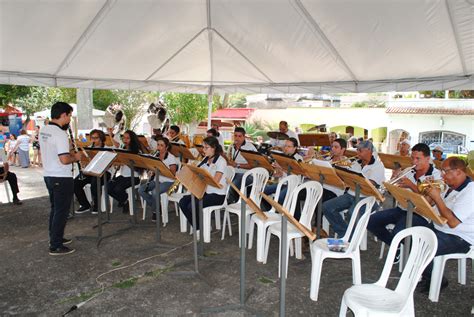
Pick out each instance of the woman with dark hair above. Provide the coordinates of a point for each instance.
(36, 148)
(117, 186)
(147, 190)
(215, 164)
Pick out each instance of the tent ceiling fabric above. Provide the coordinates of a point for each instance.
(250, 46)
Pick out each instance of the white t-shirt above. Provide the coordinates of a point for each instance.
(461, 202)
(374, 171)
(169, 160)
(281, 143)
(23, 142)
(432, 173)
(54, 142)
(218, 164)
(220, 138)
(237, 157)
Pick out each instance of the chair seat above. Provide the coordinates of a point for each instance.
(176, 197)
(322, 245)
(272, 217)
(290, 231)
(374, 298)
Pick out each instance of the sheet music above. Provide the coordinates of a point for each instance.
(100, 163)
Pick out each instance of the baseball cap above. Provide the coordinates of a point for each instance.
(366, 145)
(438, 148)
(405, 141)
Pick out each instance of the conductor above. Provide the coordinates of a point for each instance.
(57, 160)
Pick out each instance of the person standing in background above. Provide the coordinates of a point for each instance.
(23, 149)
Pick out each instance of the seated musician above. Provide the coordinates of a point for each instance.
(438, 153)
(236, 160)
(147, 190)
(420, 156)
(290, 149)
(332, 136)
(457, 207)
(283, 127)
(215, 164)
(371, 169)
(404, 148)
(118, 185)
(97, 140)
(174, 134)
(6, 175)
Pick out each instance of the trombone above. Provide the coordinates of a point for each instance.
(407, 171)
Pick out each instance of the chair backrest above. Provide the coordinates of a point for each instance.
(291, 182)
(229, 174)
(260, 178)
(423, 249)
(314, 191)
(357, 225)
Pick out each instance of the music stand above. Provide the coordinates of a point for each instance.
(285, 215)
(393, 162)
(350, 153)
(181, 151)
(150, 162)
(257, 159)
(288, 163)
(261, 214)
(314, 139)
(413, 202)
(142, 139)
(324, 175)
(195, 180)
(359, 184)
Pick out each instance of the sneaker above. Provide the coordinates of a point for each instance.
(82, 209)
(17, 202)
(66, 241)
(94, 211)
(61, 251)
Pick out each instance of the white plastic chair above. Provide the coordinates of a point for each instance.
(353, 236)
(314, 191)
(207, 212)
(7, 191)
(260, 178)
(292, 181)
(382, 249)
(438, 269)
(377, 300)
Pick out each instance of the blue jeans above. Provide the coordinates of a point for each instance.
(397, 216)
(333, 207)
(447, 244)
(207, 201)
(271, 189)
(237, 180)
(148, 193)
(61, 191)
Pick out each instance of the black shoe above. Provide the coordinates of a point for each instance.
(66, 241)
(94, 211)
(82, 209)
(17, 202)
(125, 207)
(153, 217)
(61, 251)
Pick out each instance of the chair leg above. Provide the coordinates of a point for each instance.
(436, 278)
(356, 274)
(382, 249)
(298, 249)
(343, 310)
(287, 255)
(267, 246)
(363, 244)
(144, 208)
(261, 228)
(251, 229)
(206, 223)
(462, 271)
(183, 222)
(217, 217)
(317, 263)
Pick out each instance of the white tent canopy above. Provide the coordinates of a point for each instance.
(252, 46)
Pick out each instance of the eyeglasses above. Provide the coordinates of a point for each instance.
(445, 171)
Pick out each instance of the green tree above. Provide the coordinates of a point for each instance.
(103, 98)
(40, 98)
(134, 104)
(186, 108)
(10, 93)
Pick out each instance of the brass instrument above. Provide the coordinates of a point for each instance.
(346, 162)
(173, 188)
(393, 181)
(425, 186)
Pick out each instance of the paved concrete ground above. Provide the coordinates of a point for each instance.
(137, 278)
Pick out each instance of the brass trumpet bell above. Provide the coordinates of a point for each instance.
(425, 186)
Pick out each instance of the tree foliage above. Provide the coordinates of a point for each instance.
(134, 104)
(103, 98)
(186, 108)
(10, 93)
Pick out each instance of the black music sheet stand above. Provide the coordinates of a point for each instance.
(242, 305)
(286, 216)
(288, 163)
(257, 159)
(324, 175)
(413, 202)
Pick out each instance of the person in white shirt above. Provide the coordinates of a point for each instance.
(420, 156)
(12, 157)
(57, 170)
(23, 149)
(215, 164)
(457, 207)
(174, 134)
(235, 159)
(147, 190)
(283, 127)
(219, 136)
(371, 169)
(213, 132)
(6, 175)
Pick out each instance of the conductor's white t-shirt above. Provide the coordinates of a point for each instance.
(54, 142)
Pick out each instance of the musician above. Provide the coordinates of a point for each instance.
(220, 136)
(404, 148)
(283, 127)
(236, 159)
(215, 133)
(118, 185)
(57, 169)
(423, 170)
(371, 169)
(438, 153)
(97, 140)
(457, 207)
(332, 136)
(290, 149)
(353, 143)
(174, 134)
(147, 191)
(215, 164)
(6, 175)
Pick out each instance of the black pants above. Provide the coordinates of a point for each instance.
(11, 178)
(79, 185)
(60, 191)
(118, 187)
(207, 201)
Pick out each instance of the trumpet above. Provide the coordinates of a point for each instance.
(344, 162)
(425, 186)
(407, 171)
